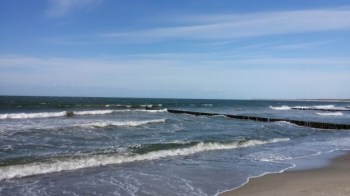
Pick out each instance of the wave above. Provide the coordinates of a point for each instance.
(70, 113)
(150, 110)
(122, 123)
(207, 105)
(156, 110)
(93, 112)
(131, 106)
(319, 107)
(330, 113)
(24, 170)
(143, 110)
(118, 105)
(301, 107)
(32, 115)
(286, 123)
(52, 114)
(284, 107)
(324, 106)
(315, 107)
(89, 124)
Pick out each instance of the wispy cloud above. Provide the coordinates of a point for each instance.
(300, 45)
(60, 8)
(169, 74)
(223, 27)
(160, 62)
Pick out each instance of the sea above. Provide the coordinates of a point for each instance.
(134, 146)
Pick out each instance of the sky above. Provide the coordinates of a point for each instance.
(215, 49)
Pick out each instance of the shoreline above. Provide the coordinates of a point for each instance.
(332, 179)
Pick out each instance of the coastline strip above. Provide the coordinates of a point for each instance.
(330, 180)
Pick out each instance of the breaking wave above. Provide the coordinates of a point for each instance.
(324, 106)
(284, 107)
(143, 110)
(122, 123)
(32, 115)
(93, 112)
(70, 113)
(318, 107)
(330, 113)
(30, 169)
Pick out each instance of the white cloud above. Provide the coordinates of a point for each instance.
(243, 25)
(177, 74)
(60, 8)
(304, 45)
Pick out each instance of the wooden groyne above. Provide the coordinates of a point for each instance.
(321, 109)
(319, 125)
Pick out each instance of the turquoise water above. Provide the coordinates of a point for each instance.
(114, 146)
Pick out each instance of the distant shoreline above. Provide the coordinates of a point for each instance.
(325, 100)
(311, 100)
(124, 97)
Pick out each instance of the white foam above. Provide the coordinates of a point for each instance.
(282, 122)
(51, 114)
(257, 176)
(32, 115)
(207, 105)
(16, 171)
(320, 107)
(93, 112)
(329, 113)
(142, 110)
(123, 123)
(151, 111)
(147, 105)
(284, 107)
(115, 105)
(301, 107)
(324, 106)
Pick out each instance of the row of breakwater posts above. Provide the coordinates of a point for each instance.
(319, 125)
(322, 109)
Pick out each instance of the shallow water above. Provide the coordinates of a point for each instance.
(114, 146)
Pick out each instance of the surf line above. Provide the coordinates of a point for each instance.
(319, 125)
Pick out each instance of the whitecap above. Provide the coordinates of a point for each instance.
(32, 115)
(93, 112)
(147, 105)
(122, 123)
(329, 113)
(52, 114)
(324, 106)
(17, 171)
(301, 107)
(142, 110)
(284, 107)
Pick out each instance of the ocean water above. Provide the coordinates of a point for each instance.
(115, 146)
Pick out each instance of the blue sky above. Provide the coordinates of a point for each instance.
(226, 49)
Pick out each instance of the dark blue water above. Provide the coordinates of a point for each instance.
(114, 146)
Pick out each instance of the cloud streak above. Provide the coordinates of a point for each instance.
(214, 27)
(158, 75)
(59, 8)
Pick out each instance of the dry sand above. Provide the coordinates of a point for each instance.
(333, 180)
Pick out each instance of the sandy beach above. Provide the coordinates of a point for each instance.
(333, 179)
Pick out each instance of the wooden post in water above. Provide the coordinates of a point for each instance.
(318, 125)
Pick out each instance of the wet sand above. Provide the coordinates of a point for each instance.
(333, 179)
